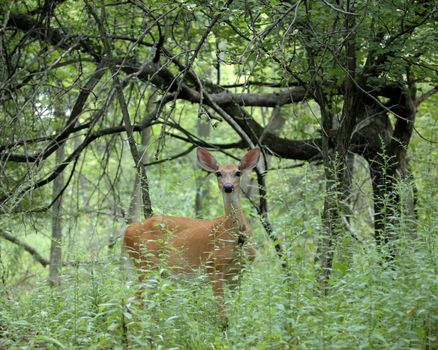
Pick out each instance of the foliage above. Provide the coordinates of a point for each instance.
(50, 52)
(368, 305)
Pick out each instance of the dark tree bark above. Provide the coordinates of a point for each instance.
(335, 155)
(387, 167)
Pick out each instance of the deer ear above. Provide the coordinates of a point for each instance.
(250, 160)
(206, 160)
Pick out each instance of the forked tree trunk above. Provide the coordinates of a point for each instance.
(136, 198)
(335, 156)
(136, 155)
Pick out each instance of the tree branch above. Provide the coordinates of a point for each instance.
(32, 251)
(425, 96)
(60, 138)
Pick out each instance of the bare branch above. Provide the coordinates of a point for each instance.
(337, 9)
(61, 137)
(31, 250)
(425, 96)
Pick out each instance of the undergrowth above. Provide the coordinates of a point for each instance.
(370, 305)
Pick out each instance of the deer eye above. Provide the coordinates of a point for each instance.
(218, 174)
(238, 173)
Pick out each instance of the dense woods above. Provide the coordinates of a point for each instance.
(102, 105)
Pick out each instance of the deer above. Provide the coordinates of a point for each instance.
(212, 245)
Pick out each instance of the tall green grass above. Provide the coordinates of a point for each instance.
(369, 306)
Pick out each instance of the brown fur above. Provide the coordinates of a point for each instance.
(189, 244)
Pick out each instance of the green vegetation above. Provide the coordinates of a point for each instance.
(102, 105)
(369, 304)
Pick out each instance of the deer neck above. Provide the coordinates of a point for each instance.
(233, 211)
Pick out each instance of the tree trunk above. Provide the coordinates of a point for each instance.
(387, 168)
(201, 189)
(136, 198)
(252, 186)
(335, 156)
(274, 126)
(56, 241)
(136, 156)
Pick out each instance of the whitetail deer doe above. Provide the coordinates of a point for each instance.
(215, 245)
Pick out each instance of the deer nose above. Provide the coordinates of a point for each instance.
(228, 188)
